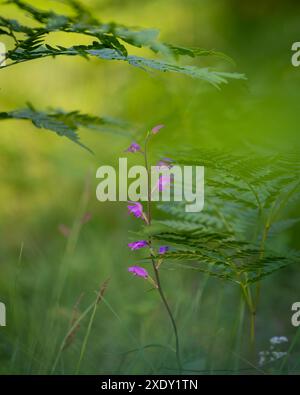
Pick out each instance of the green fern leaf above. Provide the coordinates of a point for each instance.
(64, 124)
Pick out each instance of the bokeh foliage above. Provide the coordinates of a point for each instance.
(43, 179)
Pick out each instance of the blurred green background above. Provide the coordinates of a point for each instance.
(43, 179)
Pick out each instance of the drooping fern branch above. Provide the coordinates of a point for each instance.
(110, 42)
(66, 124)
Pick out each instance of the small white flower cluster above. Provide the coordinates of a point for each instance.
(272, 354)
(278, 340)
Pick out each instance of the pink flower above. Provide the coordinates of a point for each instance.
(64, 230)
(163, 249)
(86, 218)
(136, 209)
(136, 245)
(138, 271)
(163, 182)
(165, 162)
(157, 128)
(134, 147)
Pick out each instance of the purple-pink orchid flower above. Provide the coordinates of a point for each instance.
(138, 271)
(156, 128)
(136, 209)
(134, 147)
(163, 182)
(136, 245)
(164, 162)
(163, 249)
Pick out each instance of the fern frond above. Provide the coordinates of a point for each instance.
(64, 124)
(220, 255)
(109, 43)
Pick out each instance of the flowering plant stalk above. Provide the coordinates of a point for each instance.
(156, 257)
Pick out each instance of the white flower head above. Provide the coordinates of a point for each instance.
(278, 340)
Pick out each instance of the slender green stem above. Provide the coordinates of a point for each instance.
(252, 310)
(277, 206)
(163, 298)
(70, 331)
(155, 267)
(72, 239)
(261, 255)
(64, 267)
(293, 344)
(84, 344)
(239, 334)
